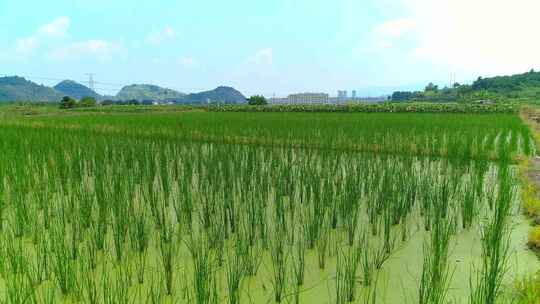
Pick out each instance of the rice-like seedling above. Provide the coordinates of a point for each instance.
(62, 264)
(351, 212)
(14, 253)
(167, 252)
(436, 272)
(279, 258)
(156, 294)
(5, 199)
(486, 286)
(89, 286)
(120, 222)
(139, 231)
(20, 290)
(322, 244)
(48, 295)
(235, 273)
(346, 269)
(299, 261)
(204, 281)
(121, 287)
(187, 207)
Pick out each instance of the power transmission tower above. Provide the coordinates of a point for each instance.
(90, 81)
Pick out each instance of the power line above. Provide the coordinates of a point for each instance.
(90, 81)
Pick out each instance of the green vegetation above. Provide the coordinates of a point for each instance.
(257, 100)
(463, 136)
(520, 86)
(14, 89)
(18, 89)
(213, 207)
(70, 103)
(75, 90)
(147, 92)
(376, 108)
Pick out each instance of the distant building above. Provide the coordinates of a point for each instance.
(342, 95)
(277, 100)
(308, 98)
(354, 95)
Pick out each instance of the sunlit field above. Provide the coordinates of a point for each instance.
(215, 207)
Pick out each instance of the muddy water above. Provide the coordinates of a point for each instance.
(400, 276)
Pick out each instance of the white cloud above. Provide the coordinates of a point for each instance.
(99, 49)
(483, 37)
(25, 46)
(385, 35)
(57, 28)
(157, 37)
(263, 56)
(395, 28)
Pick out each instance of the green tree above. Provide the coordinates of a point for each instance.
(432, 87)
(67, 103)
(257, 100)
(87, 102)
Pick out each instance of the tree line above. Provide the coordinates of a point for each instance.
(526, 85)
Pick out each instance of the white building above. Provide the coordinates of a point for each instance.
(308, 98)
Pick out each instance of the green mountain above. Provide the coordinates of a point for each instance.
(75, 90)
(148, 92)
(220, 94)
(142, 92)
(519, 85)
(19, 89)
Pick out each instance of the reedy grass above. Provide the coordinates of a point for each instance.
(279, 259)
(322, 243)
(299, 260)
(204, 280)
(486, 285)
(235, 272)
(127, 197)
(347, 266)
(436, 271)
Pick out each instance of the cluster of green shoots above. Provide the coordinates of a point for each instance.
(125, 219)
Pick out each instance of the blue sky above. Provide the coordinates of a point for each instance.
(267, 47)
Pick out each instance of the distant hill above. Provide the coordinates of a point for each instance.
(518, 86)
(142, 92)
(75, 90)
(220, 94)
(148, 92)
(526, 84)
(19, 89)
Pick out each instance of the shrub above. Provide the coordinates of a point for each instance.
(67, 103)
(534, 238)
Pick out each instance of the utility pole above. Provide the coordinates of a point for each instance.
(90, 81)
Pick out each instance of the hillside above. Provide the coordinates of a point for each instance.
(518, 86)
(75, 90)
(221, 94)
(522, 85)
(143, 92)
(19, 89)
(148, 92)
